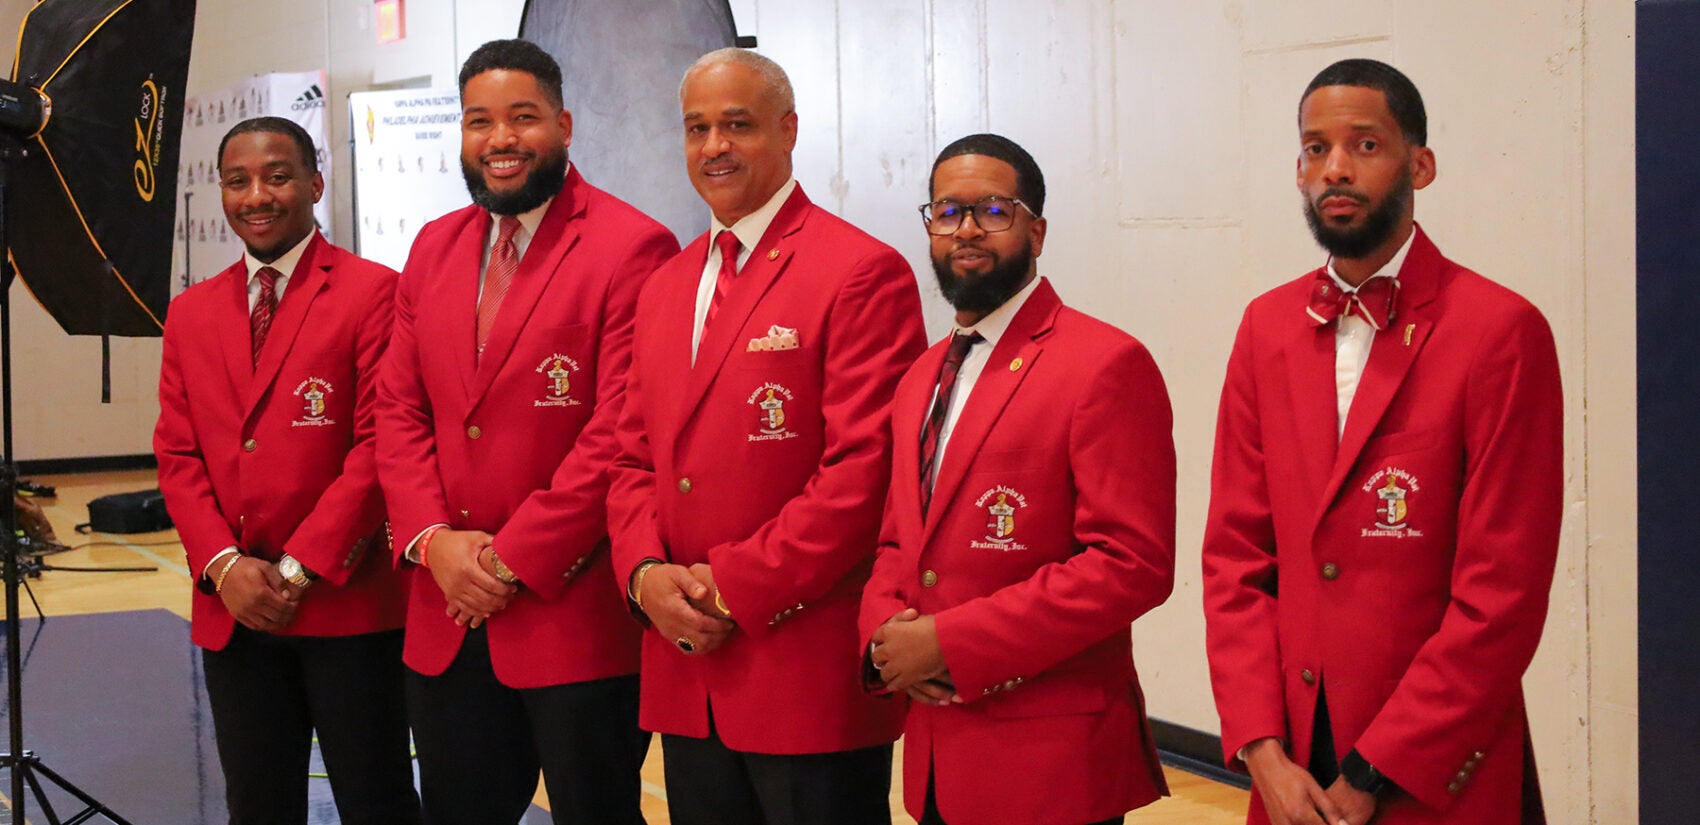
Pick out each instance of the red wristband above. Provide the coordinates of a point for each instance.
(425, 543)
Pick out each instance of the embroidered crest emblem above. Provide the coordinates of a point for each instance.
(769, 400)
(1000, 503)
(774, 420)
(1392, 488)
(314, 394)
(558, 370)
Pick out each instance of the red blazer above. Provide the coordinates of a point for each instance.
(1405, 566)
(772, 467)
(1052, 528)
(278, 458)
(517, 443)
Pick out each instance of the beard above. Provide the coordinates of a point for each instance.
(984, 293)
(1378, 226)
(543, 182)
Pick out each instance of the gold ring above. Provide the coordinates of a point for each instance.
(685, 644)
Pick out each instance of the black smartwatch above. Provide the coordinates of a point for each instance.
(1360, 774)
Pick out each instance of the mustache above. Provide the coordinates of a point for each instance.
(1342, 192)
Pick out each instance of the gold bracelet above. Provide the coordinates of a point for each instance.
(637, 580)
(218, 584)
(721, 603)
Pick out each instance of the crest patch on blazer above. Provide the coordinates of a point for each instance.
(1392, 488)
(315, 396)
(769, 399)
(1002, 504)
(558, 370)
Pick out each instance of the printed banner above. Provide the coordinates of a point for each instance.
(406, 167)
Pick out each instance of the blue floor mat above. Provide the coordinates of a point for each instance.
(115, 703)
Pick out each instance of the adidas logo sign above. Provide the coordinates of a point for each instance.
(313, 98)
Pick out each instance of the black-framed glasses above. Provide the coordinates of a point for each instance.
(992, 214)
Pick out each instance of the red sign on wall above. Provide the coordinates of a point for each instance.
(391, 18)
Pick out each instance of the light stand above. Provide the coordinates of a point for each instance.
(23, 765)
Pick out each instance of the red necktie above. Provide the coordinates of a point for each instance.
(953, 358)
(1371, 301)
(504, 262)
(260, 317)
(729, 247)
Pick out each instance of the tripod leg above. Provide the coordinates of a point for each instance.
(37, 605)
(40, 796)
(95, 806)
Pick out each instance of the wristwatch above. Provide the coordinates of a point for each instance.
(1360, 774)
(504, 573)
(292, 572)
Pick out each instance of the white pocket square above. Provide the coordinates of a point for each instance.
(777, 338)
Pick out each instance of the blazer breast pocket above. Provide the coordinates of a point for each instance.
(1404, 442)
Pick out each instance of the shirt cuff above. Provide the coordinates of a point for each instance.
(206, 572)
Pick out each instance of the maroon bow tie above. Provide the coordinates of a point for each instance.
(1371, 301)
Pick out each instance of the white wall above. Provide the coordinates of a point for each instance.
(1166, 131)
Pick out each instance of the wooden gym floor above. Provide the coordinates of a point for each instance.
(1195, 800)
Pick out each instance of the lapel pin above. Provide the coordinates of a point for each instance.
(773, 254)
(1408, 329)
(1015, 365)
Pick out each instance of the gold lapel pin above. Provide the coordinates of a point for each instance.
(1015, 365)
(1409, 328)
(773, 254)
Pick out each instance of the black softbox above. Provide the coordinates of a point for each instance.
(90, 208)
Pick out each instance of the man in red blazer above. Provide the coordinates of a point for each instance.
(495, 431)
(755, 458)
(265, 447)
(1031, 519)
(1385, 503)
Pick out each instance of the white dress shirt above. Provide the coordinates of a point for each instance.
(1353, 337)
(285, 266)
(991, 328)
(748, 230)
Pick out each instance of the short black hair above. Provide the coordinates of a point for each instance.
(1029, 181)
(515, 55)
(1403, 99)
(276, 126)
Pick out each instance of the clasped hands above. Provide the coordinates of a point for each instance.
(460, 563)
(907, 655)
(1293, 797)
(259, 597)
(683, 604)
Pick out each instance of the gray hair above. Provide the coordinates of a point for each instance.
(774, 81)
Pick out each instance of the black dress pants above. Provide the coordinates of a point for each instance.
(482, 743)
(1323, 767)
(270, 693)
(711, 784)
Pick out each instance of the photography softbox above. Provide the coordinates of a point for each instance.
(89, 207)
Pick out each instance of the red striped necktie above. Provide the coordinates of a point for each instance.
(729, 247)
(953, 358)
(260, 317)
(504, 262)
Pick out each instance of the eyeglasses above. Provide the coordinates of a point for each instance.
(992, 214)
